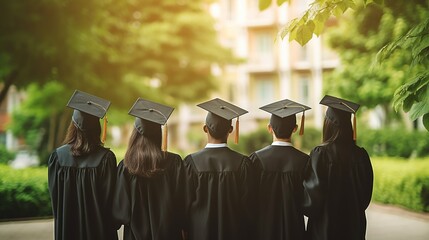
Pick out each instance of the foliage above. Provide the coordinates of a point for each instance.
(369, 29)
(312, 137)
(252, 141)
(161, 50)
(24, 193)
(36, 118)
(158, 49)
(404, 183)
(411, 97)
(394, 142)
(5, 155)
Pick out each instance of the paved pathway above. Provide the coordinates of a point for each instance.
(384, 223)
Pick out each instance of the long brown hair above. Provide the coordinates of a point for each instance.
(144, 156)
(83, 142)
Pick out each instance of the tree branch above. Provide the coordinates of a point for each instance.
(9, 79)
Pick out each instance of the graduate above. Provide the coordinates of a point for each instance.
(82, 174)
(339, 179)
(219, 181)
(280, 169)
(149, 197)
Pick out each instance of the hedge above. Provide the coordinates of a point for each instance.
(402, 182)
(394, 142)
(5, 155)
(24, 193)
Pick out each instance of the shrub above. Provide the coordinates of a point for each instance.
(5, 155)
(394, 142)
(24, 193)
(401, 182)
(252, 141)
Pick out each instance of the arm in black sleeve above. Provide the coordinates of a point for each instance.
(315, 181)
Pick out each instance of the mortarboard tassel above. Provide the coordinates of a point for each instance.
(104, 136)
(237, 126)
(164, 138)
(301, 128)
(354, 126)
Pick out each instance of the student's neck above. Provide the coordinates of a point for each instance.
(275, 139)
(213, 140)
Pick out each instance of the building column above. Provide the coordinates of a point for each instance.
(318, 81)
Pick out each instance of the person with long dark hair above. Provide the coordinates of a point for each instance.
(339, 179)
(82, 175)
(149, 198)
(280, 170)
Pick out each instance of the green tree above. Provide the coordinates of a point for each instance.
(118, 50)
(412, 96)
(357, 39)
(38, 120)
(161, 49)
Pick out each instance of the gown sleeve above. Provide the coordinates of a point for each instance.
(122, 198)
(191, 184)
(108, 184)
(52, 181)
(366, 179)
(315, 181)
(180, 190)
(249, 195)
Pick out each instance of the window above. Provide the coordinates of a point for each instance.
(263, 47)
(264, 89)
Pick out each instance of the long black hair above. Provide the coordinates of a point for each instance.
(337, 130)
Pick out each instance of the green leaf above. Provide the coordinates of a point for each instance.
(337, 11)
(320, 20)
(305, 32)
(350, 4)
(419, 109)
(264, 4)
(380, 2)
(289, 27)
(280, 2)
(366, 2)
(426, 121)
(408, 103)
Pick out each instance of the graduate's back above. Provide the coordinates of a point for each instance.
(280, 171)
(81, 190)
(151, 207)
(218, 194)
(339, 178)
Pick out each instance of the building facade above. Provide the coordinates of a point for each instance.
(272, 69)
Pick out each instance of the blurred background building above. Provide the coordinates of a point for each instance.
(271, 68)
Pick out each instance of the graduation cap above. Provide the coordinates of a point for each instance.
(88, 109)
(339, 111)
(283, 115)
(149, 115)
(221, 114)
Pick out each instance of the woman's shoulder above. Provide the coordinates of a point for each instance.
(174, 158)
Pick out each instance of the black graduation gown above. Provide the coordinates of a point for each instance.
(280, 174)
(219, 195)
(338, 188)
(151, 208)
(81, 190)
